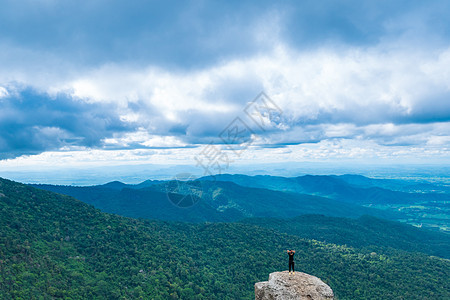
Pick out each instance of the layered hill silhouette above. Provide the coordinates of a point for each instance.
(218, 201)
(353, 189)
(306, 216)
(54, 246)
(416, 203)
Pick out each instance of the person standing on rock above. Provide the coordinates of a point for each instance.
(291, 260)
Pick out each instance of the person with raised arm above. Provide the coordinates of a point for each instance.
(291, 260)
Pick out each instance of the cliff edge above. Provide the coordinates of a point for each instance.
(298, 286)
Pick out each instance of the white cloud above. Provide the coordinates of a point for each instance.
(355, 85)
(3, 92)
(381, 95)
(142, 138)
(339, 150)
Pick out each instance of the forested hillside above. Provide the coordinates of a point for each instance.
(416, 203)
(218, 201)
(365, 232)
(54, 246)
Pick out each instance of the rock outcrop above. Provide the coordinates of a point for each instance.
(285, 286)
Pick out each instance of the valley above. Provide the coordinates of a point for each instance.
(55, 246)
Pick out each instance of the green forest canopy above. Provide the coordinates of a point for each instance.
(53, 246)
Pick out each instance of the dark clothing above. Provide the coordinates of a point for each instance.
(291, 256)
(291, 261)
(291, 264)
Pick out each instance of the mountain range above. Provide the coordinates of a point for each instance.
(216, 201)
(54, 246)
(223, 200)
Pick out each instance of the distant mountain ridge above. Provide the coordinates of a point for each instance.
(429, 207)
(137, 202)
(219, 201)
(394, 184)
(54, 246)
(424, 204)
(226, 201)
(117, 185)
(347, 188)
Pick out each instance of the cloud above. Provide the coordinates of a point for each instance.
(363, 94)
(3, 92)
(32, 122)
(173, 34)
(154, 75)
(345, 91)
(64, 36)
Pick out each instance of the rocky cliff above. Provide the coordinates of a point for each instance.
(285, 286)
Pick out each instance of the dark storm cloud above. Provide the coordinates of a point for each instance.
(33, 122)
(192, 34)
(170, 33)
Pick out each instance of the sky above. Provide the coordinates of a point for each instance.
(215, 83)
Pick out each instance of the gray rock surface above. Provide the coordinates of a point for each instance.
(285, 286)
